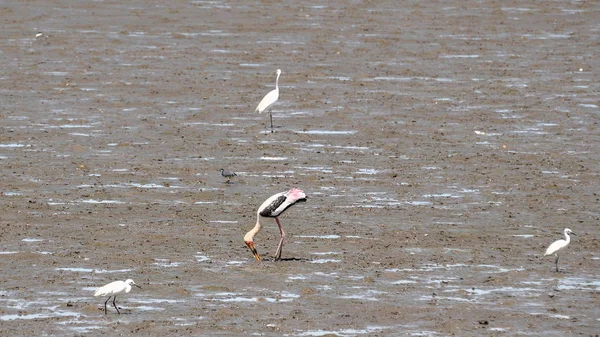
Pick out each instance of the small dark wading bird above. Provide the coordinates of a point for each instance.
(113, 289)
(227, 174)
(270, 99)
(558, 245)
(273, 208)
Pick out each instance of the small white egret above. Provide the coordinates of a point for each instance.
(270, 99)
(113, 289)
(558, 245)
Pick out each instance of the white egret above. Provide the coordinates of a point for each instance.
(113, 289)
(558, 245)
(273, 207)
(270, 99)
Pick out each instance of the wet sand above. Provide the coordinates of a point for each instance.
(442, 146)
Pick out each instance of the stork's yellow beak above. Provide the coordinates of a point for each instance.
(250, 245)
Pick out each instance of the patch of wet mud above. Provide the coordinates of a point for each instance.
(442, 148)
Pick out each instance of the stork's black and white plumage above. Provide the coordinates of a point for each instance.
(273, 208)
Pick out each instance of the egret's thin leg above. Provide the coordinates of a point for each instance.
(280, 246)
(556, 262)
(115, 305)
(108, 299)
(271, 118)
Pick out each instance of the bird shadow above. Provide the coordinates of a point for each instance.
(268, 130)
(115, 314)
(295, 259)
(287, 259)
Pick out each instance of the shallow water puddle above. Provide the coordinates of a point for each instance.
(239, 297)
(138, 185)
(320, 146)
(317, 169)
(498, 269)
(200, 257)
(39, 315)
(148, 308)
(512, 291)
(578, 283)
(344, 332)
(296, 277)
(209, 124)
(166, 263)
(326, 132)
(369, 171)
(346, 129)
(363, 295)
(91, 270)
(524, 236)
(94, 201)
(237, 262)
(204, 202)
(31, 240)
(13, 145)
(331, 236)
(82, 328)
(273, 158)
(318, 261)
(404, 282)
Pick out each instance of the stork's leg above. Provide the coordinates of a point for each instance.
(280, 247)
(108, 299)
(115, 305)
(556, 262)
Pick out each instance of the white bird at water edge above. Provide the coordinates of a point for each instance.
(558, 245)
(270, 99)
(113, 289)
(273, 207)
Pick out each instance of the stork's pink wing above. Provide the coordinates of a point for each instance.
(278, 203)
(295, 194)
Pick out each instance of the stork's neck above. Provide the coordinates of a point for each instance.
(249, 237)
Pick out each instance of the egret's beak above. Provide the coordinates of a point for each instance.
(137, 286)
(573, 234)
(250, 245)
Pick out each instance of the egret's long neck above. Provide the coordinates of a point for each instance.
(567, 237)
(277, 82)
(250, 235)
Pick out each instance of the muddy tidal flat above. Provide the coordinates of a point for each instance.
(443, 145)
